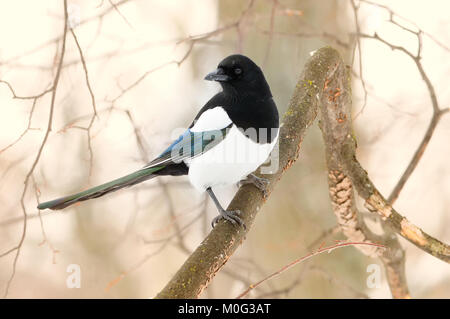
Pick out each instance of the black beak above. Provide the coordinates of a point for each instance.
(218, 75)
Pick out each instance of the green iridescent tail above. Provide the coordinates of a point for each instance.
(94, 192)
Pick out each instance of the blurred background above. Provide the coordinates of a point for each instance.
(146, 61)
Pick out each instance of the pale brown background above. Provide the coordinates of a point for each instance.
(110, 235)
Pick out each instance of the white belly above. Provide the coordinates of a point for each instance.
(228, 162)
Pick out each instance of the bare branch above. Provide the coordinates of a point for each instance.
(360, 59)
(336, 125)
(26, 97)
(120, 13)
(301, 259)
(376, 203)
(24, 131)
(91, 93)
(38, 156)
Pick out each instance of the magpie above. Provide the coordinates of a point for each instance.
(231, 136)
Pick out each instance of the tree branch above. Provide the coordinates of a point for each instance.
(336, 124)
(53, 90)
(375, 202)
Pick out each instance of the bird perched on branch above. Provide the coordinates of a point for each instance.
(231, 136)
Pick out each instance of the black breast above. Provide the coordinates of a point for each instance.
(256, 116)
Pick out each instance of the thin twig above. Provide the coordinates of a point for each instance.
(94, 107)
(38, 156)
(328, 249)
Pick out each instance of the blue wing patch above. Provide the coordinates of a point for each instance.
(189, 145)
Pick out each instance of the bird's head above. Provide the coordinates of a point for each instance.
(239, 73)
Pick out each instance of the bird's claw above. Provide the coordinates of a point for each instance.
(231, 216)
(260, 183)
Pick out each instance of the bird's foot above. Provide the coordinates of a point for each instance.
(231, 215)
(260, 183)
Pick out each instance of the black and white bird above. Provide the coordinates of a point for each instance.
(231, 136)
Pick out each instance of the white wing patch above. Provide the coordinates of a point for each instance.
(212, 119)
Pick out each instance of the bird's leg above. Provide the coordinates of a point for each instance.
(259, 182)
(230, 215)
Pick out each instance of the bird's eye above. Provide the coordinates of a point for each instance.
(237, 71)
